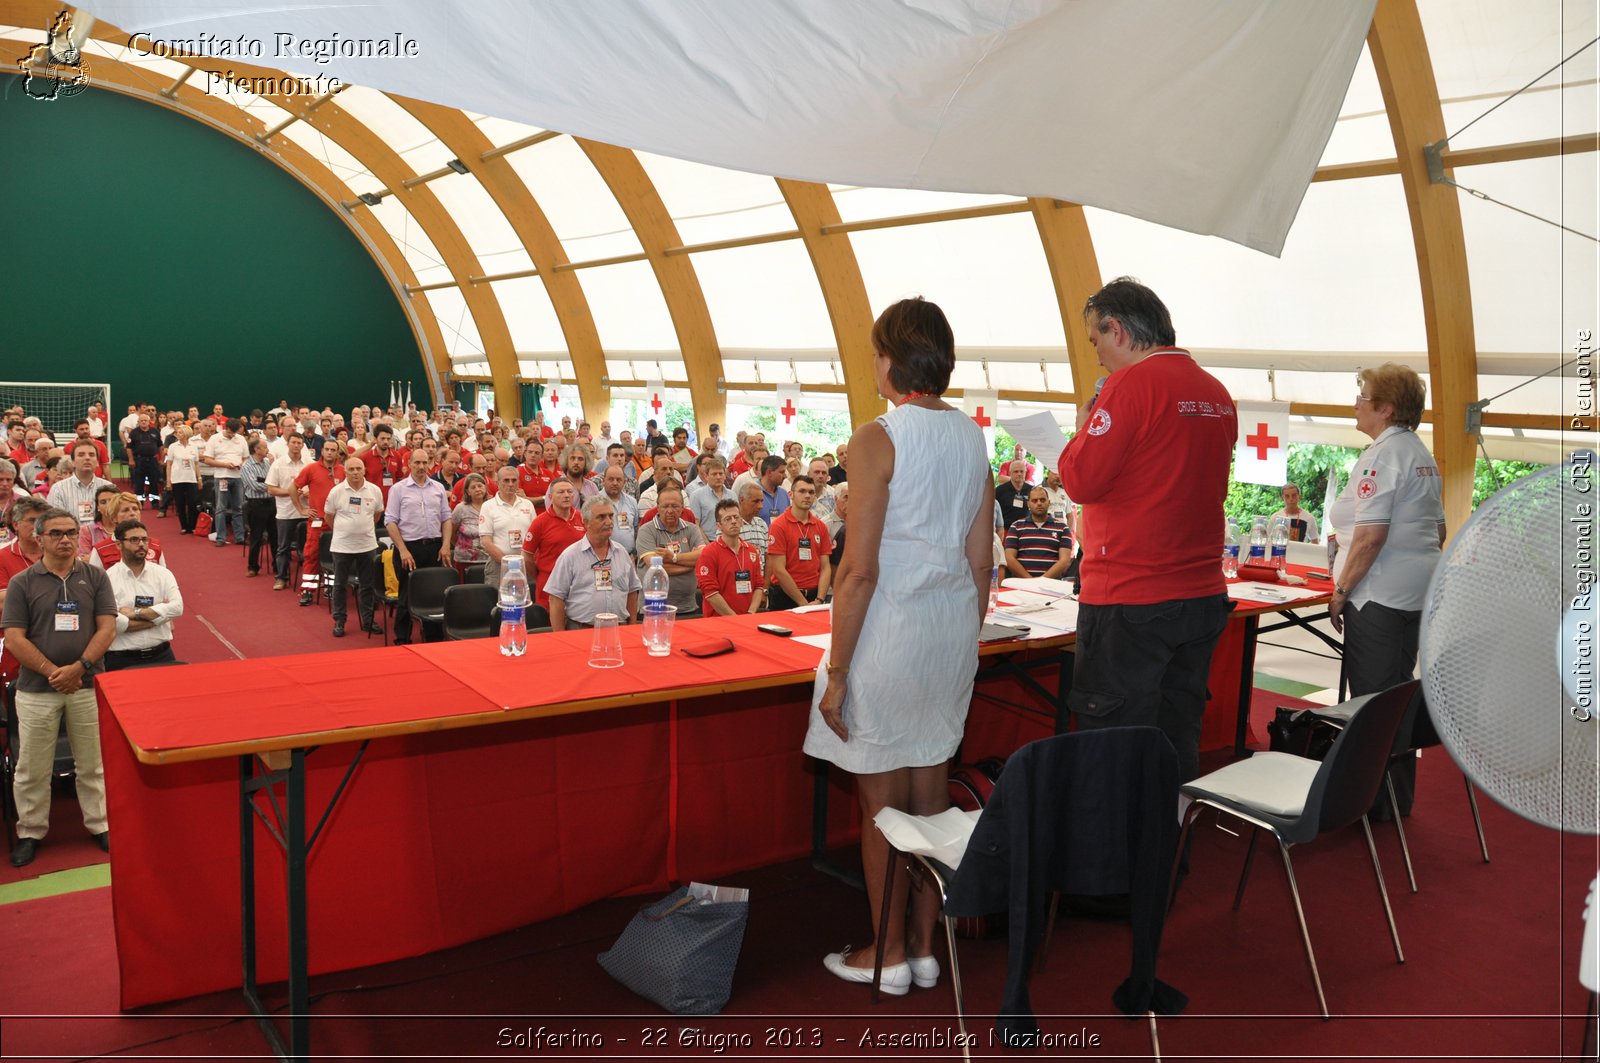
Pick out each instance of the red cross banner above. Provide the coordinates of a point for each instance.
(655, 404)
(555, 402)
(984, 408)
(786, 403)
(1262, 453)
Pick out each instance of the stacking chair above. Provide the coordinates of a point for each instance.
(1086, 813)
(1416, 733)
(468, 611)
(1297, 799)
(427, 587)
(474, 573)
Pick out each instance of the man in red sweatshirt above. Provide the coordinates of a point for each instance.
(1157, 440)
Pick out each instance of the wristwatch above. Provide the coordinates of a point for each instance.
(1341, 590)
(87, 667)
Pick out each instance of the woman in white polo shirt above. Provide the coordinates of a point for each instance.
(1389, 520)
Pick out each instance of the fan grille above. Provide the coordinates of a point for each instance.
(1493, 651)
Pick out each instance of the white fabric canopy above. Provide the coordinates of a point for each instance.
(1203, 115)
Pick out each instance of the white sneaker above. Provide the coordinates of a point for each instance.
(896, 980)
(924, 971)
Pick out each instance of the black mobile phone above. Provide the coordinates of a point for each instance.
(774, 629)
(1315, 573)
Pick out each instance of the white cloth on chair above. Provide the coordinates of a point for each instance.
(942, 837)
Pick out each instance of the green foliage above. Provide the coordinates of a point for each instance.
(1486, 483)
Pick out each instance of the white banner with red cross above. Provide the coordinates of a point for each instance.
(1262, 453)
(655, 403)
(786, 407)
(984, 408)
(555, 402)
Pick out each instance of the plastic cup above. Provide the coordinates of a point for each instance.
(606, 649)
(658, 621)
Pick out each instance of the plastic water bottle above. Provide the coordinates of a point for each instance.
(1280, 542)
(656, 585)
(1230, 549)
(1258, 542)
(513, 609)
(994, 593)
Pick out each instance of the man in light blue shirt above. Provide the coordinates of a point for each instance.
(710, 489)
(593, 575)
(625, 521)
(418, 510)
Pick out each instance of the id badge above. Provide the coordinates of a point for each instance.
(388, 478)
(66, 616)
(316, 522)
(515, 536)
(805, 549)
(355, 501)
(85, 514)
(622, 518)
(741, 581)
(144, 601)
(1017, 502)
(602, 579)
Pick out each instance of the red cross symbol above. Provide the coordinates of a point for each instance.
(655, 403)
(787, 409)
(1261, 441)
(555, 397)
(983, 421)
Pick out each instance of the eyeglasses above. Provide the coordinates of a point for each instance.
(59, 533)
(1363, 398)
(135, 539)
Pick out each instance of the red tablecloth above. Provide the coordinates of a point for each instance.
(450, 835)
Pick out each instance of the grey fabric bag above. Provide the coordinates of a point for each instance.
(680, 954)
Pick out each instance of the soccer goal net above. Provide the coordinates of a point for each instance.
(58, 406)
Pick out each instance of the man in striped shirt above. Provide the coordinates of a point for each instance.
(1038, 544)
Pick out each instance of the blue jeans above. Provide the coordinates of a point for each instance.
(230, 501)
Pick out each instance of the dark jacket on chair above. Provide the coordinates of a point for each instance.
(1094, 812)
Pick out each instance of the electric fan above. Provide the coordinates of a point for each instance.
(1508, 654)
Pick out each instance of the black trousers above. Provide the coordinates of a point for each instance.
(1146, 666)
(426, 554)
(778, 599)
(261, 523)
(1380, 651)
(146, 475)
(117, 660)
(291, 537)
(364, 568)
(187, 498)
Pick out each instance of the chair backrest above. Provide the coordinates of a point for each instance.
(467, 608)
(427, 587)
(1347, 783)
(475, 573)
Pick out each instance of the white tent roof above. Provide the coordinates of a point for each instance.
(1234, 98)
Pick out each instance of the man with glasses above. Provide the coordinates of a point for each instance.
(59, 618)
(148, 601)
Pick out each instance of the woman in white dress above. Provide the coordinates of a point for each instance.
(891, 696)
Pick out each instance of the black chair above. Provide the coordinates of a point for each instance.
(1298, 799)
(475, 573)
(1416, 733)
(469, 611)
(426, 589)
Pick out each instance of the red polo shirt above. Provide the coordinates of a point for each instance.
(535, 479)
(11, 563)
(386, 473)
(317, 477)
(723, 571)
(803, 547)
(547, 536)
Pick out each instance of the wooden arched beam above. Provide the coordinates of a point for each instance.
(680, 286)
(843, 290)
(1075, 274)
(223, 117)
(510, 193)
(1411, 96)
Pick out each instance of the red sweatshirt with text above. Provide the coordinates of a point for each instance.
(1150, 468)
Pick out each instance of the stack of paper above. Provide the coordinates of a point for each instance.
(1055, 588)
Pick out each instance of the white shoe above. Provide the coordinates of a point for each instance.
(896, 980)
(924, 971)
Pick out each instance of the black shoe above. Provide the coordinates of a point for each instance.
(401, 642)
(305, 597)
(103, 840)
(338, 629)
(22, 852)
(371, 627)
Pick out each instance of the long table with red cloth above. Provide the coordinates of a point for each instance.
(590, 783)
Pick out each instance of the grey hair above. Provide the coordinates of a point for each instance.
(592, 504)
(751, 485)
(52, 513)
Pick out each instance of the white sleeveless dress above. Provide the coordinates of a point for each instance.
(911, 675)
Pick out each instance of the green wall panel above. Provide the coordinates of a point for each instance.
(181, 267)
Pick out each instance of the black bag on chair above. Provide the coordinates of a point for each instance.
(680, 953)
(1297, 731)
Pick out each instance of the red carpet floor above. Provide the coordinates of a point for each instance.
(1491, 971)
